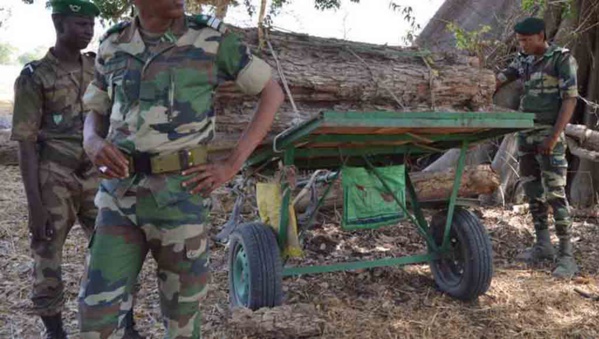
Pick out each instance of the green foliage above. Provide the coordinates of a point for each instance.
(540, 6)
(473, 42)
(408, 16)
(534, 5)
(6, 53)
(29, 56)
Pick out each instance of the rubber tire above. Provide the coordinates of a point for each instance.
(265, 266)
(474, 247)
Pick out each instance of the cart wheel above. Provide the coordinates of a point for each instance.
(255, 269)
(466, 271)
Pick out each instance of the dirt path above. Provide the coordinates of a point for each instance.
(380, 303)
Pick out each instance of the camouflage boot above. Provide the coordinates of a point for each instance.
(541, 250)
(566, 264)
(130, 331)
(54, 329)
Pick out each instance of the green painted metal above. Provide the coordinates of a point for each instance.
(494, 123)
(384, 119)
(454, 193)
(320, 202)
(345, 152)
(356, 265)
(293, 146)
(415, 203)
(361, 138)
(421, 230)
(284, 213)
(241, 276)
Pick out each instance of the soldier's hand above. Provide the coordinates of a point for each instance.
(209, 177)
(109, 160)
(546, 147)
(39, 225)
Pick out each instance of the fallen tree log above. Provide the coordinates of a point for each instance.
(329, 74)
(476, 180)
(583, 142)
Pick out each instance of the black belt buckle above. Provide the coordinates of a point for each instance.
(142, 163)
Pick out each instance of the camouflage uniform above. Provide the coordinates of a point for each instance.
(159, 94)
(547, 81)
(49, 111)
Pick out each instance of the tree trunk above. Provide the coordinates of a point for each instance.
(330, 74)
(581, 34)
(479, 154)
(476, 180)
(506, 164)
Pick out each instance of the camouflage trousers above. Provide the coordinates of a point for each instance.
(67, 197)
(544, 181)
(129, 225)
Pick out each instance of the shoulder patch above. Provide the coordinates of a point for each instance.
(115, 29)
(30, 67)
(201, 21)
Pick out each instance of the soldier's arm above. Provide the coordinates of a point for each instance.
(508, 75)
(568, 89)
(111, 162)
(26, 123)
(253, 76)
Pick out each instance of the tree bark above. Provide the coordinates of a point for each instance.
(476, 180)
(330, 74)
(582, 36)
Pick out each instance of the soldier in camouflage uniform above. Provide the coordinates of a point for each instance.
(60, 180)
(151, 119)
(550, 91)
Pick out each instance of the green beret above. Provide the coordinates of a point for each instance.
(530, 26)
(74, 7)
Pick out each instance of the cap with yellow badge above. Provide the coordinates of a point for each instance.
(75, 7)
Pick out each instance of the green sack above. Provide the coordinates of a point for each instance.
(366, 202)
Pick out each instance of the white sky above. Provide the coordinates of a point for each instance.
(371, 21)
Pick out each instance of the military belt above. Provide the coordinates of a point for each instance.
(148, 163)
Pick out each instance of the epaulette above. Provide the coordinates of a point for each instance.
(202, 20)
(115, 29)
(30, 67)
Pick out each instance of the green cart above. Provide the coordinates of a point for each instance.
(459, 249)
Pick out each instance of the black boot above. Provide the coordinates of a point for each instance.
(54, 328)
(130, 331)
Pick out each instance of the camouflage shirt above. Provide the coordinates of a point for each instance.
(160, 99)
(48, 109)
(547, 80)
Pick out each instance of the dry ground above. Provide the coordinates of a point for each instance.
(523, 302)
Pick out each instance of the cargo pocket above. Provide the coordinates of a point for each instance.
(197, 245)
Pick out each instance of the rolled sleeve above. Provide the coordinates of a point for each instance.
(254, 76)
(511, 73)
(96, 96)
(28, 103)
(236, 63)
(96, 100)
(568, 83)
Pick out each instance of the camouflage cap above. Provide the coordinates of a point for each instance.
(530, 26)
(74, 7)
